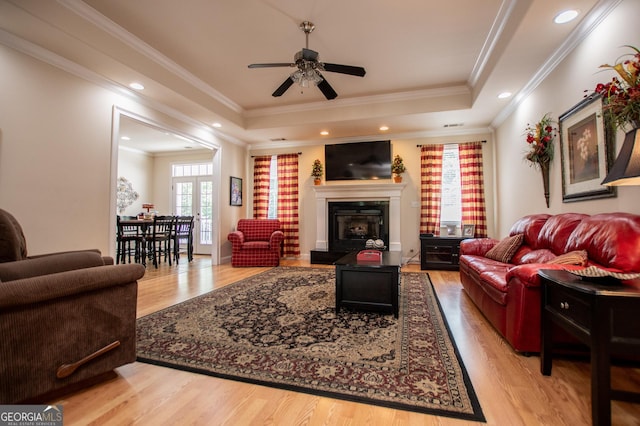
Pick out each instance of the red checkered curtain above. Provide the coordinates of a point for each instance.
(288, 203)
(430, 188)
(472, 187)
(261, 176)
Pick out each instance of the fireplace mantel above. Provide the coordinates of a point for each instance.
(359, 192)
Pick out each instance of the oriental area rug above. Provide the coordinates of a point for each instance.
(280, 329)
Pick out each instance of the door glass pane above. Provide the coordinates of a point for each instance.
(184, 198)
(451, 196)
(206, 212)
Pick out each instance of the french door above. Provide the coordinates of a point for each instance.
(193, 196)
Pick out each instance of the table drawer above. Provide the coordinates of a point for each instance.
(569, 306)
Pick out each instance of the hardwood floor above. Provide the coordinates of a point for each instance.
(510, 387)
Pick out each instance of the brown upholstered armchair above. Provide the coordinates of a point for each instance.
(66, 319)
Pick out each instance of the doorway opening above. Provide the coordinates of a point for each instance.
(192, 194)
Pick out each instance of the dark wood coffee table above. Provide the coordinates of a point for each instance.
(368, 285)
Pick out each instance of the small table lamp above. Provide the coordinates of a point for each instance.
(626, 168)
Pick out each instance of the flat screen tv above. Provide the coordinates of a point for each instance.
(358, 160)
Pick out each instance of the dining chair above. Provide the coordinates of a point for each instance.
(183, 232)
(129, 240)
(159, 241)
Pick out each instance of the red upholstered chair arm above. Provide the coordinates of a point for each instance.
(276, 238)
(477, 246)
(236, 238)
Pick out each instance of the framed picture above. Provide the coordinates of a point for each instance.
(235, 191)
(468, 231)
(586, 144)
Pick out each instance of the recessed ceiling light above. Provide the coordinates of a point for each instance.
(384, 128)
(125, 138)
(136, 86)
(324, 133)
(565, 16)
(216, 125)
(504, 95)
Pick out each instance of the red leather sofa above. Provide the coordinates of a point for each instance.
(508, 294)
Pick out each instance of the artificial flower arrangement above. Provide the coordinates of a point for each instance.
(316, 170)
(540, 139)
(397, 167)
(622, 94)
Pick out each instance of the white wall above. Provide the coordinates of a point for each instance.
(520, 186)
(56, 169)
(137, 168)
(410, 220)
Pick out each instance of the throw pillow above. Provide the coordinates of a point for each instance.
(505, 249)
(577, 257)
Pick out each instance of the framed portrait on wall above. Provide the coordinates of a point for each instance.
(586, 144)
(468, 230)
(235, 191)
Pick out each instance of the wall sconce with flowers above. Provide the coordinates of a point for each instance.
(540, 139)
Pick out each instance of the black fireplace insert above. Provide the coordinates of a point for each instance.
(352, 223)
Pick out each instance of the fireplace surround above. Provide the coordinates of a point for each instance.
(386, 192)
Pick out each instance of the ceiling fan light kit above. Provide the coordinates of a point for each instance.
(309, 67)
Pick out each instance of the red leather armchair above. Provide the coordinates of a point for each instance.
(508, 294)
(256, 242)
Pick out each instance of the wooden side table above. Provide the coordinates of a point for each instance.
(439, 252)
(603, 316)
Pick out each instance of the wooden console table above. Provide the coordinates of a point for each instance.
(603, 316)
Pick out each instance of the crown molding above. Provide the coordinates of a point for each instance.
(361, 101)
(91, 15)
(598, 13)
(492, 39)
(21, 45)
(369, 138)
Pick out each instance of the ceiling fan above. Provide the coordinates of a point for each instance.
(309, 67)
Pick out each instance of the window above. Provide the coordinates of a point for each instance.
(451, 201)
(199, 169)
(452, 187)
(272, 212)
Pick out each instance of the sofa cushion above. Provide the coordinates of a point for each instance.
(610, 239)
(534, 256)
(258, 229)
(530, 227)
(576, 257)
(256, 245)
(505, 249)
(13, 245)
(557, 229)
(494, 284)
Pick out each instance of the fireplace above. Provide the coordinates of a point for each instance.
(352, 223)
(389, 193)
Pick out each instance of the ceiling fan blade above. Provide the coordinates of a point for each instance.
(276, 64)
(326, 89)
(309, 55)
(344, 69)
(283, 88)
